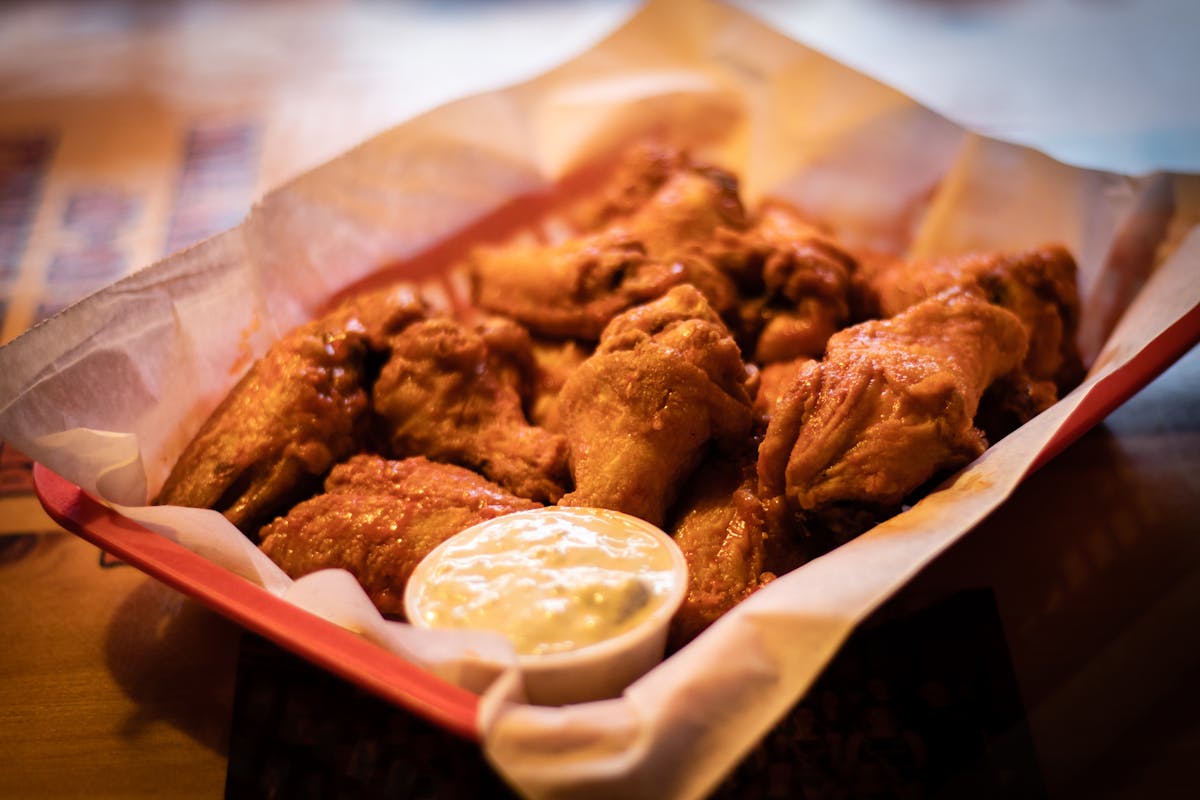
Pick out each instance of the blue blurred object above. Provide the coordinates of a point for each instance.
(1106, 85)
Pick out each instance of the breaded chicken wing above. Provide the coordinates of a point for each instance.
(890, 405)
(802, 296)
(379, 518)
(455, 394)
(300, 409)
(639, 175)
(572, 289)
(665, 381)
(1038, 285)
(721, 526)
(721, 529)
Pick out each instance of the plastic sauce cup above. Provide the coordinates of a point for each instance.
(584, 594)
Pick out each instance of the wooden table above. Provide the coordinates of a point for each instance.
(111, 684)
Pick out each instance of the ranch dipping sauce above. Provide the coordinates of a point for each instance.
(552, 580)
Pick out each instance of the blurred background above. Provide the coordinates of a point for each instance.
(137, 128)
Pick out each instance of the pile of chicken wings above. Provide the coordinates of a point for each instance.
(739, 379)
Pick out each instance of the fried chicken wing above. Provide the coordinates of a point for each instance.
(666, 379)
(454, 394)
(890, 405)
(803, 289)
(300, 409)
(554, 361)
(722, 528)
(379, 314)
(379, 518)
(639, 175)
(652, 241)
(1038, 285)
(568, 290)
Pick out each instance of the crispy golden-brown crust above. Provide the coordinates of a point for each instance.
(892, 403)
(1038, 285)
(666, 380)
(454, 394)
(639, 244)
(378, 518)
(299, 410)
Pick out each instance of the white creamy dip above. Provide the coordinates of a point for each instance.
(552, 580)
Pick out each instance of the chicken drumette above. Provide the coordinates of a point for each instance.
(891, 405)
(379, 518)
(1038, 285)
(666, 379)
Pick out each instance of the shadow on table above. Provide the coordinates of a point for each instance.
(175, 659)
(916, 705)
(301, 732)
